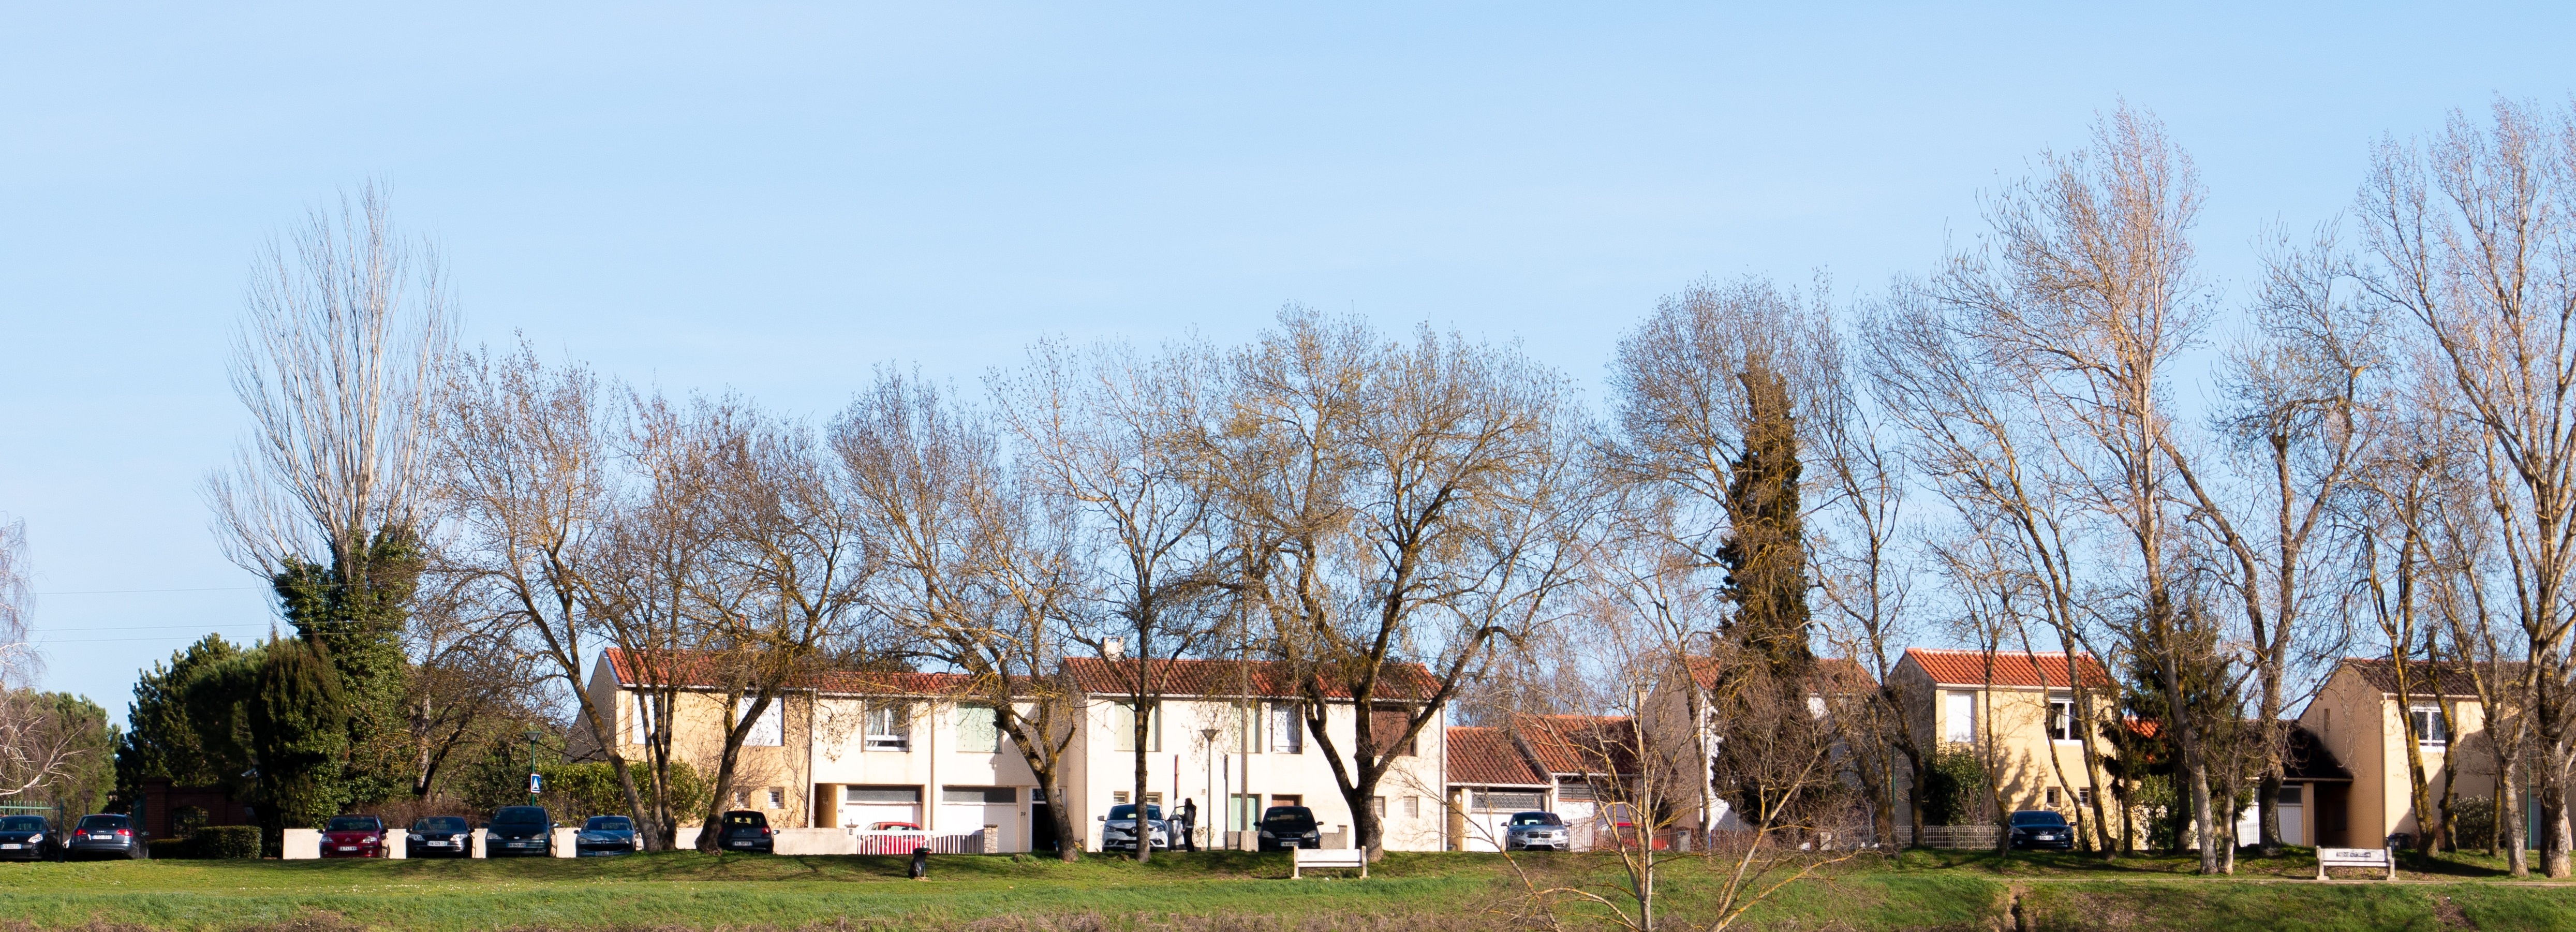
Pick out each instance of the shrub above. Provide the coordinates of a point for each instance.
(2473, 822)
(226, 841)
(1956, 789)
(166, 848)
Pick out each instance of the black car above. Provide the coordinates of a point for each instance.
(29, 838)
(1285, 827)
(448, 836)
(2040, 828)
(604, 836)
(746, 831)
(519, 830)
(106, 835)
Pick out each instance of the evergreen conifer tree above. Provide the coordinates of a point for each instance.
(1765, 552)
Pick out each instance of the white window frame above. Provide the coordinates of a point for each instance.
(896, 733)
(2431, 723)
(1957, 727)
(1287, 727)
(770, 731)
(2061, 720)
(1122, 726)
(978, 729)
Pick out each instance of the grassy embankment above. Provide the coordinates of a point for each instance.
(1923, 890)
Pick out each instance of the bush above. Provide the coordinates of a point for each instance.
(1956, 790)
(167, 848)
(2473, 823)
(226, 841)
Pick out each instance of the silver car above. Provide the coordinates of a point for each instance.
(1536, 830)
(1118, 829)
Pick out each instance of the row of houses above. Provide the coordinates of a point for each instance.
(857, 749)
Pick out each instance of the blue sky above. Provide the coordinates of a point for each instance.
(772, 198)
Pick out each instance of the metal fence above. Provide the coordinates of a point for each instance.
(898, 842)
(1950, 836)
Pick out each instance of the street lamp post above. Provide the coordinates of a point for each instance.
(1210, 734)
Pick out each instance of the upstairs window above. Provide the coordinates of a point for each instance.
(2430, 732)
(2061, 719)
(1287, 729)
(979, 730)
(767, 732)
(1122, 727)
(1243, 728)
(1959, 717)
(889, 727)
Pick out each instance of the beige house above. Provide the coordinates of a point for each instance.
(2360, 718)
(1236, 731)
(2016, 710)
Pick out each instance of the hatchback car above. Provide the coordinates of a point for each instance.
(29, 838)
(353, 836)
(605, 836)
(1285, 827)
(1118, 829)
(2040, 828)
(106, 835)
(1530, 831)
(746, 831)
(445, 835)
(519, 830)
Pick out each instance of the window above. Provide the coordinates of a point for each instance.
(1413, 807)
(2061, 719)
(1122, 727)
(2289, 795)
(1959, 717)
(777, 797)
(889, 727)
(983, 795)
(979, 729)
(1287, 729)
(2049, 798)
(1574, 790)
(1508, 801)
(1242, 811)
(643, 719)
(766, 732)
(1152, 797)
(2083, 796)
(1243, 728)
(1815, 706)
(2429, 730)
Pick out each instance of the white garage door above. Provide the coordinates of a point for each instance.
(865, 806)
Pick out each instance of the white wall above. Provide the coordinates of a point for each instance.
(1184, 769)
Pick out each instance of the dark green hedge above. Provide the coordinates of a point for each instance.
(218, 841)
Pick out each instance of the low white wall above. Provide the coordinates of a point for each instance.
(686, 839)
(477, 835)
(814, 841)
(564, 839)
(302, 844)
(395, 846)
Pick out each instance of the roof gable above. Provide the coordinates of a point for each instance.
(2427, 679)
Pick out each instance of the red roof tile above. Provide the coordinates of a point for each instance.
(1841, 675)
(2425, 678)
(2011, 668)
(1579, 744)
(1481, 756)
(1100, 676)
(701, 671)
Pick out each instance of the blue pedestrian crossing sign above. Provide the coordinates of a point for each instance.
(536, 783)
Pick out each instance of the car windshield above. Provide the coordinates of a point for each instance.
(608, 823)
(746, 818)
(103, 822)
(2039, 819)
(353, 823)
(442, 824)
(1535, 818)
(24, 823)
(1128, 811)
(1297, 816)
(520, 815)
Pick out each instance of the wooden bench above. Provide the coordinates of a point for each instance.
(1299, 859)
(2355, 857)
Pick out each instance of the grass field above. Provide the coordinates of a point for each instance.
(1409, 892)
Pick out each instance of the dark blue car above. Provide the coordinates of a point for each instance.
(2040, 828)
(605, 836)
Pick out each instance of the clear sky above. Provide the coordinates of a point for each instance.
(772, 198)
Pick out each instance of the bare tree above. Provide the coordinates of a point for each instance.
(1395, 505)
(1113, 433)
(37, 746)
(974, 565)
(2469, 237)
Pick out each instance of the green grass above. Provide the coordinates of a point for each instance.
(1922, 890)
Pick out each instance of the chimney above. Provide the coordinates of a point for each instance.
(1113, 648)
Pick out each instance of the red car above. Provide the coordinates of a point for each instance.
(354, 836)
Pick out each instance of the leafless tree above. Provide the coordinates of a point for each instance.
(1115, 434)
(1394, 504)
(2469, 237)
(973, 564)
(36, 747)
(2082, 298)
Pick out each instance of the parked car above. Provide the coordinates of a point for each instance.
(106, 834)
(353, 836)
(451, 836)
(1118, 828)
(2040, 828)
(519, 830)
(605, 836)
(1285, 827)
(29, 838)
(745, 830)
(1534, 830)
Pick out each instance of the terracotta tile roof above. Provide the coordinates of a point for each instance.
(704, 672)
(2012, 668)
(1836, 675)
(1482, 756)
(1579, 744)
(2423, 678)
(1099, 676)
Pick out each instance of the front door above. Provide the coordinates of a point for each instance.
(1041, 828)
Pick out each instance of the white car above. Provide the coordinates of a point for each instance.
(1536, 830)
(1118, 828)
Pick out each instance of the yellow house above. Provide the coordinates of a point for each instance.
(2017, 710)
(2360, 716)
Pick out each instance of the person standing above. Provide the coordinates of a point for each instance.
(1189, 819)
